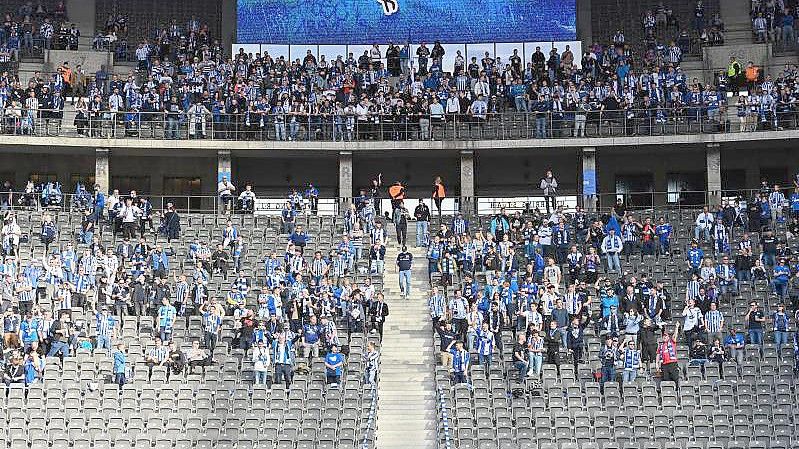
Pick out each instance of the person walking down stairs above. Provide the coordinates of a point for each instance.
(404, 264)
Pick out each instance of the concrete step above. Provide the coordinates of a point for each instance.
(407, 415)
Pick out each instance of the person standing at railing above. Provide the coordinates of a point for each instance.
(31, 114)
(198, 116)
(478, 111)
(549, 188)
(580, 116)
(776, 201)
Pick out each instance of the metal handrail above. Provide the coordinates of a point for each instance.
(445, 420)
(70, 201)
(269, 126)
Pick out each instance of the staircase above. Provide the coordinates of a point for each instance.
(406, 415)
(737, 22)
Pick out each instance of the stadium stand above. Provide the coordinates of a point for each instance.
(131, 323)
(75, 402)
(726, 397)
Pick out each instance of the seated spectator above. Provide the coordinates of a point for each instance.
(197, 356)
(734, 342)
(175, 361)
(157, 355)
(220, 260)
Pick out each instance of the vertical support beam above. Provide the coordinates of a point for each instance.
(588, 183)
(224, 165)
(229, 22)
(345, 186)
(713, 156)
(584, 28)
(224, 170)
(102, 170)
(467, 199)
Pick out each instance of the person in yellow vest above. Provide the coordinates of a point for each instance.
(734, 73)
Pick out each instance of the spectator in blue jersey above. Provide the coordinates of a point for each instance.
(694, 256)
(486, 343)
(780, 278)
(631, 362)
(311, 334)
(120, 365)
(735, 344)
(334, 366)
(461, 360)
(727, 277)
(283, 358)
(166, 320)
(663, 232)
(299, 238)
(781, 321)
(612, 246)
(106, 328)
(794, 204)
(287, 218)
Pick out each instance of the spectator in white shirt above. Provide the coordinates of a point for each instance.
(225, 190)
(704, 225)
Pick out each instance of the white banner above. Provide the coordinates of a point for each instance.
(274, 206)
(490, 206)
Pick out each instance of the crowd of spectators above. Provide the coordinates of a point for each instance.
(540, 275)
(170, 41)
(34, 28)
(282, 313)
(702, 30)
(773, 21)
(186, 84)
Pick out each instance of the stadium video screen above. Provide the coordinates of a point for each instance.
(340, 22)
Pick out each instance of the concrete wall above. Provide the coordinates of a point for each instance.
(278, 175)
(157, 168)
(18, 168)
(416, 172)
(90, 60)
(514, 173)
(717, 58)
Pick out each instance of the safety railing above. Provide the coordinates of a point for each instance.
(348, 126)
(643, 201)
(371, 421)
(444, 430)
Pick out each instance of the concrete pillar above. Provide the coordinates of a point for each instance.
(467, 198)
(82, 14)
(229, 22)
(344, 179)
(588, 183)
(224, 166)
(584, 29)
(713, 174)
(102, 170)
